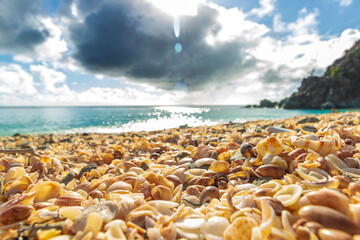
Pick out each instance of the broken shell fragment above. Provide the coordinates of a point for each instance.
(108, 210)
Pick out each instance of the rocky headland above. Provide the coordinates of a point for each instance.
(338, 87)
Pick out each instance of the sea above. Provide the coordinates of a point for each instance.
(100, 119)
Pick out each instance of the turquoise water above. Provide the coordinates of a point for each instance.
(41, 120)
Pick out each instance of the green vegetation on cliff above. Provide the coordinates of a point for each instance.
(339, 87)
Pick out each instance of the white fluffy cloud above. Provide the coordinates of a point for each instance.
(48, 77)
(51, 49)
(344, 3)
(266, 8)
(14, 80)
(95, 96)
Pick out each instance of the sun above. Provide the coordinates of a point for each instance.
(177, 8)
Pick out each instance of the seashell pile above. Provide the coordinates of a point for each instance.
(296, 178)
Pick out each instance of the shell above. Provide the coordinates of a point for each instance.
(108, 210)
(270, 170)
(94, 223)
(175, 179)
(167, 204)
(240, 229)
(329, 218)
(322, 147)
(334, 200)
(289, 195)
(269, 145)
(84, 186)
(15, 214)
(161, 193)
(287, 220)
(332, 234)
(202, 162)
(313, 174)
(333, 184)
(246, 150)
(267, 218)
(10, 165)
(215, 226)
(120, 185)
(190, 201)
(201, 152)
(96, 194)
(336, 162)
(138, 215)
(219, 167)
(45, 190)
(13, 173)
(70, 212)
(114, 230)
(208, 194)
(69, 199)
(189, 227)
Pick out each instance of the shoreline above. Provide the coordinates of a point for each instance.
(114, 120)
(184, 182)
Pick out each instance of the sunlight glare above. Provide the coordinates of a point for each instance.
(177, 27)
(177, 7)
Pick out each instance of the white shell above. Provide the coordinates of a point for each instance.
(190, 223)
(289, 194)
(114, 232)
(313, 174)
(216, 226)
(118, 223)
(167, 204)
(335, 161)
(187, 235)
(204, 161)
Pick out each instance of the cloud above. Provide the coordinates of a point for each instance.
(305, 25)
(266, 8)
(221, 47)
(48, 77)
(63, 95)
(20, 29)
(135, 39)
(344, 3)
(14, 80)
(296, 53)
(227, 56)
(28, 34)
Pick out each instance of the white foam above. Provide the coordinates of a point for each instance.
(175, 120)
(183, 110)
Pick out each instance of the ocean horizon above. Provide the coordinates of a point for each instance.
(116, 119)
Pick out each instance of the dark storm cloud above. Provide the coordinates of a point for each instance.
(19, 28)
(135, 39)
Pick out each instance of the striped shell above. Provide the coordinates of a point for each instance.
(69, 199)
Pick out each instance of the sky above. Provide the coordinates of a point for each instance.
(167, 52)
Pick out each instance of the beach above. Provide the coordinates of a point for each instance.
(292, 178)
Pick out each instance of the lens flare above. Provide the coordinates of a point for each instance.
(178, 47)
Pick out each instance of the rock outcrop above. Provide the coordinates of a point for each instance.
(339, 87)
